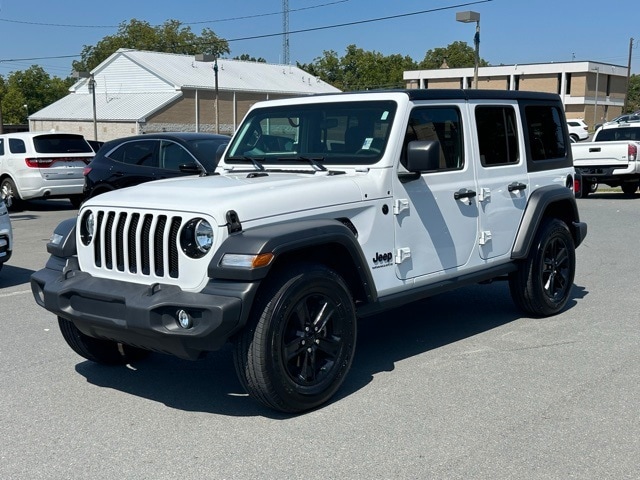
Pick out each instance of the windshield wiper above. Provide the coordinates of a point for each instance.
(253, 160)
(314, 162)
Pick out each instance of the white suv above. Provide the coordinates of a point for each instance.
(42, 165)
(322, 210)
(6, 235)
(578, 130)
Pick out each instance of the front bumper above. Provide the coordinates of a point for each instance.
(142, 315)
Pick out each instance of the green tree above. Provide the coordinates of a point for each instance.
(633, 99)
(28, 91)
(170, 37)
(360, 69)
(457, 55)
(248, 58)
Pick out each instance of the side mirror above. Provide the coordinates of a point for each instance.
(423, 156)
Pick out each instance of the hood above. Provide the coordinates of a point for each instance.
(252, 198)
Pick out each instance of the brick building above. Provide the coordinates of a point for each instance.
(592, 91)
(143, 92)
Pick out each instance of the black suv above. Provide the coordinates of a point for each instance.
(128, 161)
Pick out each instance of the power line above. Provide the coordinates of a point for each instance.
(360, 22)
(258, 15)
(312, 29)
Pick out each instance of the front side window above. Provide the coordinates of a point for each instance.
(172, 155)
(139, 153)
(333, 133)
(441, 124)
(497, 135)
(545, 129)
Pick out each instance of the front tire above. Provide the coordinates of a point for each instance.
(298, 346)
(98, 350)
(543, 282)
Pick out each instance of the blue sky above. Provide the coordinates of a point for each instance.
(512, 31)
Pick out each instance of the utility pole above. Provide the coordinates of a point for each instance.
(626, 94)
(285, 32)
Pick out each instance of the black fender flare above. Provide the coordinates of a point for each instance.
(551, 200)
(63, 240)
(288, 237)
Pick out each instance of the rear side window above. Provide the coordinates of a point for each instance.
(497, 135)
(620, 133)
(17, 146)
(139, 153)
(59, 143)
(1, 146)
(546, 133)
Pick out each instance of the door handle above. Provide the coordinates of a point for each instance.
(463, 193)
(516, 186)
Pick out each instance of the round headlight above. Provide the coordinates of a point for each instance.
(203, 236)
(196, 238)
(87, 227)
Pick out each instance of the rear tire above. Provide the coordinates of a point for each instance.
(629, 188)
(98, 350)
(10, 194)
(586, 188)
(298, 345)
(543, 282)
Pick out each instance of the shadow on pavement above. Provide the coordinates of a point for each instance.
(12, 276)
(210, 385)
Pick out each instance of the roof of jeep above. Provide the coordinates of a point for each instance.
(455, 94)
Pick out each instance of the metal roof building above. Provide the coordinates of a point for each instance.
(136, 91)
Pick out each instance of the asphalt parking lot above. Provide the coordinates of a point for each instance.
(458, 386)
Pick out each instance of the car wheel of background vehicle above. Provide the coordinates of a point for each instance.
(76, 201)
(298, 345)
(98, 350)
(629, 188)
(594, 187)
(9, 193)
(574, 138)
(543, 282)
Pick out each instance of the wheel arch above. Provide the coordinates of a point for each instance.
(552, 201)
(326, 241)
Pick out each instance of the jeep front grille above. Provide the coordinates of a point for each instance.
(137, 243)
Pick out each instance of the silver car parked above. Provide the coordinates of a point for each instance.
(6, 234)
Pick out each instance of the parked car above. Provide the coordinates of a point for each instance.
(627, 118)
(42, 165)
(6, 234)
(578, 130)
(95, 145)
(128, 161)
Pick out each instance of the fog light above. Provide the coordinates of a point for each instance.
(184, 320)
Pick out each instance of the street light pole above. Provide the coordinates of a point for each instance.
(470, 17)
(92, 89)
(595, 104)
(215, 73)
(203, 57)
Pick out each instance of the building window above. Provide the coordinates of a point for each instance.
(608, 85)
(516, 82)
(568, 84)
(559, 90)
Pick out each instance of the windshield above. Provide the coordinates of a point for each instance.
(206, 150)
(342, 133)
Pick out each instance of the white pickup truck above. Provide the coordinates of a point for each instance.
(611, 158)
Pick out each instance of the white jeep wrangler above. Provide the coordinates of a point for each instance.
(323, 209)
